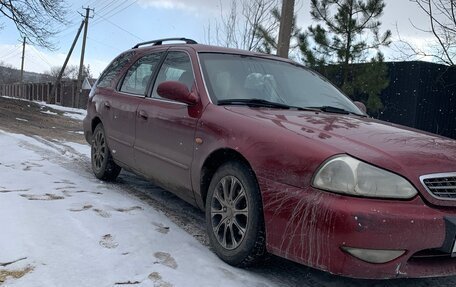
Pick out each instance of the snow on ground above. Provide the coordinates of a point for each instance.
(49, 112)
(74, 113)
(59, 226)
(77, 114)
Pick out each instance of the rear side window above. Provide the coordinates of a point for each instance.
(110, 73)
(176, 67)
(138, 76)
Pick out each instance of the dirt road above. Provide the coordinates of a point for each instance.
(43, 122)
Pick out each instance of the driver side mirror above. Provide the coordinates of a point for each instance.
(176, 91)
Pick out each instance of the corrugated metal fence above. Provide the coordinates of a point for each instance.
(420, 95)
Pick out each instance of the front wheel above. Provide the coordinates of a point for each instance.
(103, 165)
(234, 215)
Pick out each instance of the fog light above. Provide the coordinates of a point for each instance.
(372, 255)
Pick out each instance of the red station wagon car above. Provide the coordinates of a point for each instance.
(280, 160)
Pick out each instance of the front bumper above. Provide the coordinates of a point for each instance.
(310, 226)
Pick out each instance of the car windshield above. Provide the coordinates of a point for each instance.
(239, 78)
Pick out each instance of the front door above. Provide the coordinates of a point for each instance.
(165, 130)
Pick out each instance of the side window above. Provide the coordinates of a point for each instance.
(110, 73)
(138, 76)
(176, 67)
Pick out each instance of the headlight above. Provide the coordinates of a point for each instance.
(344, 174)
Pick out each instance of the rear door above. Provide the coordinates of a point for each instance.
(123, 105)
(165, 129)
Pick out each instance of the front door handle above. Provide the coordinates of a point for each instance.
(107, 105)
(143, 115)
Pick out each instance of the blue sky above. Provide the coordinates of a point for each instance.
(120, 24)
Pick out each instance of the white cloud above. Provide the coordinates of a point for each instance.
(188, 5)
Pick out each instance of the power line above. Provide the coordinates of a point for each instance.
(17, 53)
(36, 52)
(119, 27)
(104, 44)
(108, 5)
(114, 11)
(40, 65)
(10, 51)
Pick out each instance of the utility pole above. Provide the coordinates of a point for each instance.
(81, 63)
(286, 23)
(22, 64)
(59, 78)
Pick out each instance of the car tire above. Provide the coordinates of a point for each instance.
(234, 215)
(103, 165)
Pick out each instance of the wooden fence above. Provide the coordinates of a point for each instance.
(65, 95)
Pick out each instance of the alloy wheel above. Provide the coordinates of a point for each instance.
(229, 212)
(99, 150)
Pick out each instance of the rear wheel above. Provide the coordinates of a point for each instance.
(234, 215)
(103, 165)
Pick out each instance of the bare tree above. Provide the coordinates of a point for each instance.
(35, 19)
(70, 73)
(238, 27)
(442, 26)
(8, 74)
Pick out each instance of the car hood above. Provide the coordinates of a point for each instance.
(403, 150)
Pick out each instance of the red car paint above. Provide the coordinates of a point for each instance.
(170, 143)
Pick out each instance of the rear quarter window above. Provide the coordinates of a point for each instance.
(110, 73)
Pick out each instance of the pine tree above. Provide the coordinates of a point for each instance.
(348, 33)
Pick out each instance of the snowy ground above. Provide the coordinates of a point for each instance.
(69, 229)
(73, 113)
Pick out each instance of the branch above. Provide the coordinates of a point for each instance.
(437, 36)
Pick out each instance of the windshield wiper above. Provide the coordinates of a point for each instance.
(261, 103)
(336, 110)
(253, 102)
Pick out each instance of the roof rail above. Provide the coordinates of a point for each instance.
(160, 41)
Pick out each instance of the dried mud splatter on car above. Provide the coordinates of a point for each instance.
(302, 214)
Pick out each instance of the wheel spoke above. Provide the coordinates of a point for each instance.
(232, 236)
(220, 212)
(238, 226)
(217, 228)
(233, 185)
(218, 198)
(239, 196)
(224, 236)
(244, 211)
(225, 189)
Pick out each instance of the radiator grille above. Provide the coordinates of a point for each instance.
(442, 186)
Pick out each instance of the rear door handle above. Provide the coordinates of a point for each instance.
(143, 115)
(107, 105)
